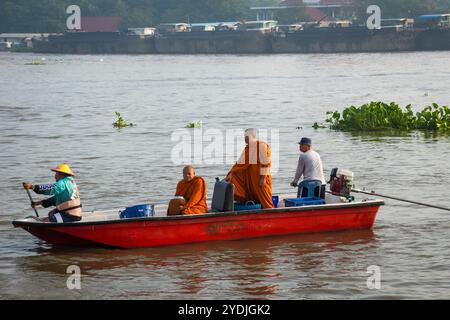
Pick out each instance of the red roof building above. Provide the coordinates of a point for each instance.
(101, 24)
(318, 15)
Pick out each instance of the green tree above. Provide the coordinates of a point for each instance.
(50, 15)
(292, 15)
(201, 10)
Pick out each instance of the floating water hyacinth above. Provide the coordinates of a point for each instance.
(377, 116)
(195, 125)
(319, 125)
(121, 123)
(35, 63)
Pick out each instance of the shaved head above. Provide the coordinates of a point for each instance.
(188, 173)
(250, 135)
(251, 132)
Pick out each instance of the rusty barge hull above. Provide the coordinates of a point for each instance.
(326, 40)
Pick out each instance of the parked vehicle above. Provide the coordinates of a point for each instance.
(264, 26)
(5, 45)
(173, 27)
(399, 24)
(202, 27)
(141, 31)
(336, 24)
(433, 21)
(290, 28)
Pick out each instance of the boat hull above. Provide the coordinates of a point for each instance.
(153, 232)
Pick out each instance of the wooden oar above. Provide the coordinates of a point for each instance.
(31, 199)
(403, 200)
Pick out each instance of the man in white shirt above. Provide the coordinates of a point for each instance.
(310, 167)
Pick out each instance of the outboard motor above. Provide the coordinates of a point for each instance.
(341, 182)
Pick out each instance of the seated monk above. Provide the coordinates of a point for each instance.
(251, 173)
(192, 189)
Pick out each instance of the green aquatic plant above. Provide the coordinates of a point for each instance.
(434, 118)
(377, 116)
(195, 125)
(319, 125)
(121, 123)
(35, 63)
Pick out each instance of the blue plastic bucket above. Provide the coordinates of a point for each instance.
(298, 202)
(139, 211)
(246, 206)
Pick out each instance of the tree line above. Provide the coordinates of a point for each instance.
(50, 15)
(403, 8)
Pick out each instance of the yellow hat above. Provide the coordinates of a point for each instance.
(64, 168)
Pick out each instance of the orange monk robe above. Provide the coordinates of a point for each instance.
(194, 192)
(254, 162)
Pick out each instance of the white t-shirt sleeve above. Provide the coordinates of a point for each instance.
(300, 168)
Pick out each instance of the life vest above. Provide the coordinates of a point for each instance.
(72, 206)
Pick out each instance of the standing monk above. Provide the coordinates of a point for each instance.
(251, 174)
(193, 190)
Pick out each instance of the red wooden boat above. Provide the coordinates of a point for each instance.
(106, 229)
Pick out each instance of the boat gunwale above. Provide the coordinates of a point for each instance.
(325, 207)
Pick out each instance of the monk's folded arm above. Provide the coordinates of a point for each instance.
(197, 195)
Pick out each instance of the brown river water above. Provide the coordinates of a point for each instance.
(63, 111)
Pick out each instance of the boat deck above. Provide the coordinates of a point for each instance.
(112, 215)
(105, 228)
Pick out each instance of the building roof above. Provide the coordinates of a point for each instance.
(24, 35)
(336, 2)
(317, 15)
(432, 16)
(101, 24)
(312, 7)
(308, 4)
(291, 3)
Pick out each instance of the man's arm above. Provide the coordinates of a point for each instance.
(47, 189)
(266, 161)
(300, 170)
(50, 202)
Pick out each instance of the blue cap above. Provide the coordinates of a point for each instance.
(306, 141)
